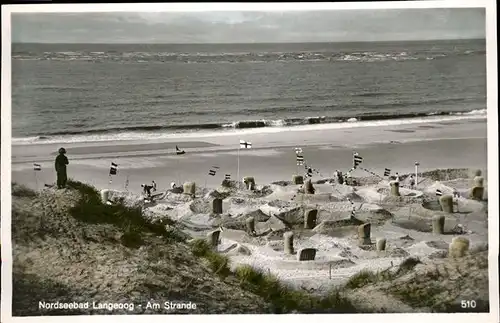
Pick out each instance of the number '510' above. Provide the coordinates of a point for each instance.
(468, 304)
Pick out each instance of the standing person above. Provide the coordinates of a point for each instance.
(340, 178)
(154, 186)
(60, 165)
(397, 177)
(412, 182)
(147, 189)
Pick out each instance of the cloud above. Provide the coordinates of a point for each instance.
(240, 27)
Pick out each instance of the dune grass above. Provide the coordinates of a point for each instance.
(366, 277)
(283, 298)
(22, 190)
(407, 265)
(361, 279)
(416, 295)
(90, 209)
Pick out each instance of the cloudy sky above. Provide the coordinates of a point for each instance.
(249, 27)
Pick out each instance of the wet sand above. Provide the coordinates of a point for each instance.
(458, 144)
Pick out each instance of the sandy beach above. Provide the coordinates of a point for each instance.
(452, 158)
(251, 114)
(435, 144)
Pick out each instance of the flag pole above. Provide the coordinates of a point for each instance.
(416, 174)
(238, 176)
(296, 161)
(178, 174)
(126, 183)
(36, 180)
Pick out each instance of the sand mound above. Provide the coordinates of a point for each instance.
(258, 215)
(239, 222)
(83, 261)
(342, 227)
(263, 191)
(284, 211)
(369, 180)
(404, 221)
(449, 174)
(216, 194)
(127, 198)
(201, 206)
(282, 183)
(372, 194)
(431, 189)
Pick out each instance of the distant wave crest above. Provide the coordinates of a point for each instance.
(238, 57)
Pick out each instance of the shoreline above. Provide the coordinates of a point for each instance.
(287, 137)
(272, 157)
(265, 165)
(158, 137)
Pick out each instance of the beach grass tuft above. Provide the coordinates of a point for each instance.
(90, 209)
(416, 295)
(366, 277)
(132, 240)
(22, 191)
(283, 298)
(217, 262)
(408, 264)
(361, 279)
(200, 247)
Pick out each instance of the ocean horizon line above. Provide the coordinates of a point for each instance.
(254, 43)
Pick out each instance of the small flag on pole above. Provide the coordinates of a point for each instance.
(212, 172)
(300, 160)
(113, 169)
(245, 144)
(357, 160)
(37, 167)
(228, 177)
(179, 151)
(387, 172)
(439, 192)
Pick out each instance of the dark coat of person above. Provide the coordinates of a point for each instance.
(60, 164)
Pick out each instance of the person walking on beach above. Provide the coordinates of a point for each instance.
(60, 165)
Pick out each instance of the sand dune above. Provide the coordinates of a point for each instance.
(335, 237)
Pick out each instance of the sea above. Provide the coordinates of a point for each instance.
(100, 92)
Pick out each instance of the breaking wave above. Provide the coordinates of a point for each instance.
(125, 133)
